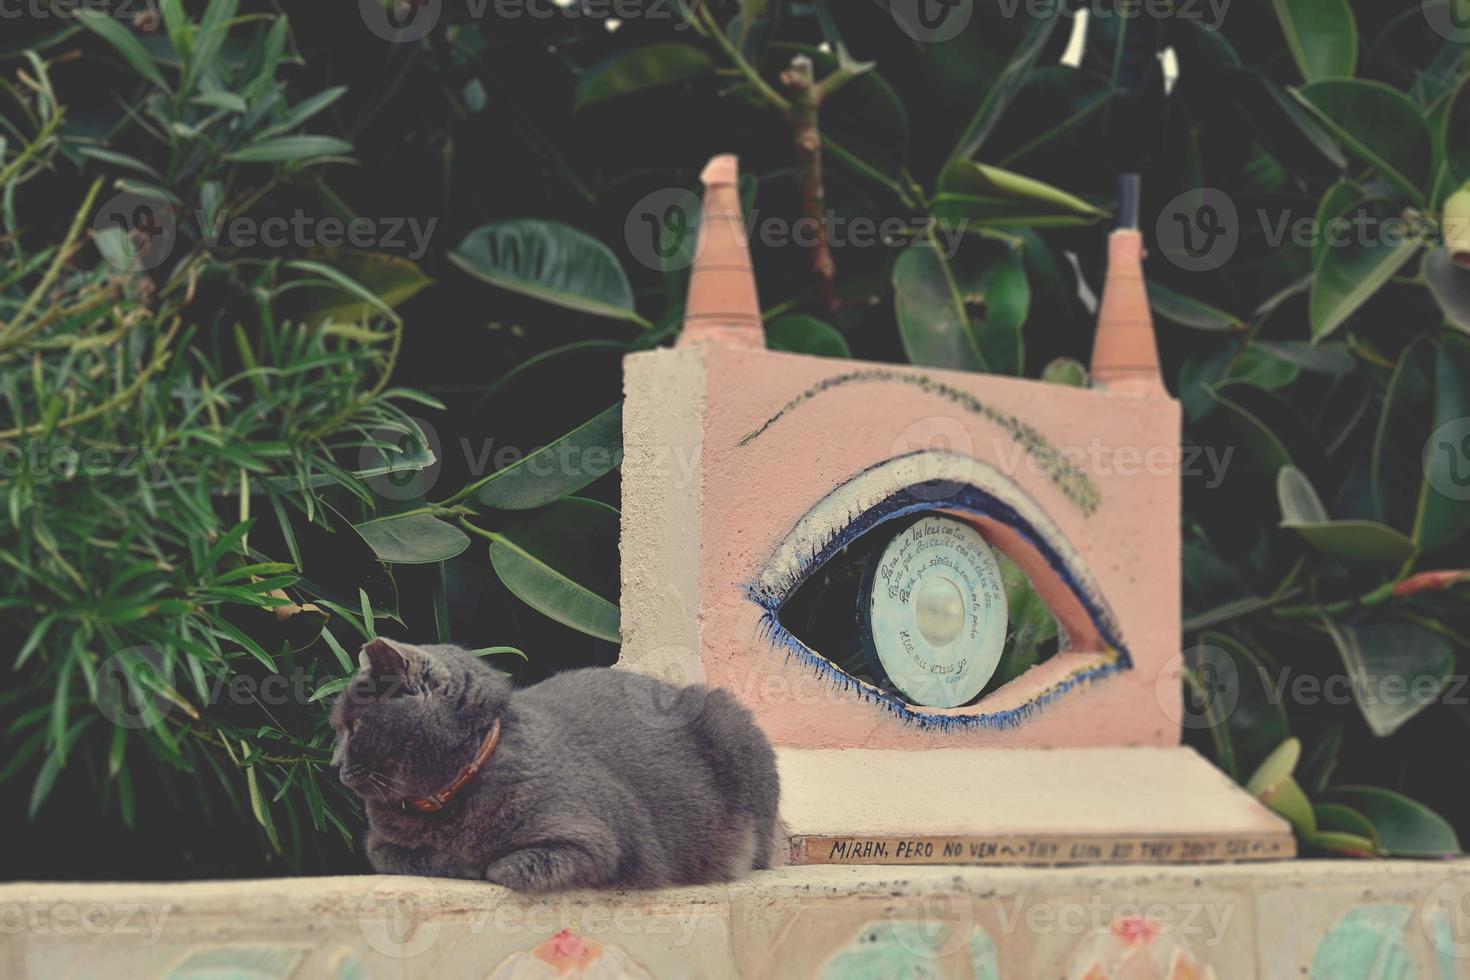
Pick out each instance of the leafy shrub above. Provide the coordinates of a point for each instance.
(149, 422)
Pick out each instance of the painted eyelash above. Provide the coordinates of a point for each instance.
(773, 632)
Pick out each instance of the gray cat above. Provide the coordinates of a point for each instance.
(594, 778)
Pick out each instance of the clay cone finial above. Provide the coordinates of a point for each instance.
(1124, 357)
(722, 307)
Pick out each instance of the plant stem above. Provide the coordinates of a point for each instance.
(805, 103)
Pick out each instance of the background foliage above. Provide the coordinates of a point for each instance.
(302, 503)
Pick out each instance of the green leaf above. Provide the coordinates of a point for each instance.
(368, 623)
(998, 96)
(1449, 284)
(1380, 125)
(1322, 36)
(176, 22)
(1065, 371)
(1443, 514)
(412, 539)
(329, 688)
(390, 279)
(1349, 274)
(118, 160)
(1366, 542)
(1324, 358)
(1030, 624)
(348, 285)
(1334, 818)
(562, 562)
(1455, 135)
(209, 39)
(1396, 669)
(1189, 312)
(498, 651)
(558, 469)
(1243, 711)
(976, 195)
(932, 320)
(1274, 786)
(801, 334)
(45, 779)
(1405, 827)
(1408, 407)
(228, 101)
(112, 30)
(305, 110)
(1245, 403)
(290, 149)
(1262, 368)
(997, 298)
(552, 262)
(259, 807)
(1276, 767)
(639, 70)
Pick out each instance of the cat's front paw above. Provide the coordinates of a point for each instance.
(545, 869)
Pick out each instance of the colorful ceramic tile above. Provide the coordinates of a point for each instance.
(567, 956)
(1366, 944)
(238, 963)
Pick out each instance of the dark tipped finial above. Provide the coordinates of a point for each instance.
(1128, 191)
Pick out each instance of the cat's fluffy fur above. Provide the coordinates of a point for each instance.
(602, 778)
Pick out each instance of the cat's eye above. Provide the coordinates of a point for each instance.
(930, 582)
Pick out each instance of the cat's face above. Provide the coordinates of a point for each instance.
(411, 718)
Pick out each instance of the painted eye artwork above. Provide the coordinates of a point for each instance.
(929, 582)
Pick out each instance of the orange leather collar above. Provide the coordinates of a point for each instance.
(437, 801)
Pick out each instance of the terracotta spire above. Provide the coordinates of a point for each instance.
(1124, 357)
(722, 307)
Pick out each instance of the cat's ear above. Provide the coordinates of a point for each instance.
(383, 658)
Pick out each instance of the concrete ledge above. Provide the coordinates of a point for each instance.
(1326, 920)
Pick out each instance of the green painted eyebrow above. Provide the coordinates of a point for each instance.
(1065, 475)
